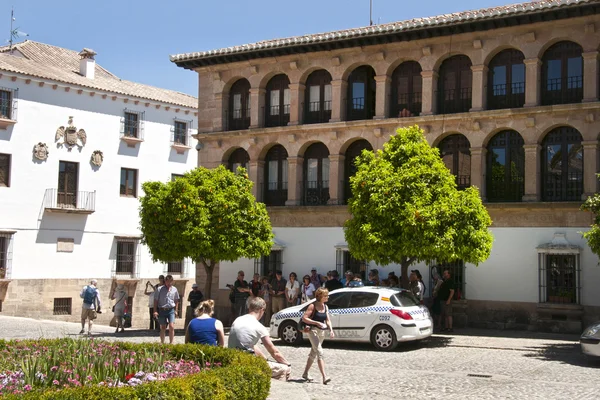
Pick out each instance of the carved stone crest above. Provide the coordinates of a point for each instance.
(97, 158)
(71, 136)
(40, 151)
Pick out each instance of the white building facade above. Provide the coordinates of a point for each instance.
(77, 145)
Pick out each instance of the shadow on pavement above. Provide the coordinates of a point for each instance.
(514, 334)
(566, 353)
(431, 342)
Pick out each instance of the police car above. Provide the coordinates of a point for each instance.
(381, 315)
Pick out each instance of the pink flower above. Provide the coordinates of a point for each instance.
(55, 382)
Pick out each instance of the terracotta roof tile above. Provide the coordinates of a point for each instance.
(62, 65)
(412, 24)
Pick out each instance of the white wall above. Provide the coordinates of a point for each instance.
(41, 110)
(510, 273)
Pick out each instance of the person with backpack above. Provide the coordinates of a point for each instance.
(91, 305)
(317, 321)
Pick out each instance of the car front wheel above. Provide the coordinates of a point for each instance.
(289, 333)
(383, 338)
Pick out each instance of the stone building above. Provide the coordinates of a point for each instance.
(76, 143)
(508, 94)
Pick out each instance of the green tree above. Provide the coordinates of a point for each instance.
(208, 215)
(405, 207)
(592, 236)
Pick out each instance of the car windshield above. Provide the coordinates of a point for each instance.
(404, 299)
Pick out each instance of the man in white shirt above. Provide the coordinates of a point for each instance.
(91, 302)
(245, 333)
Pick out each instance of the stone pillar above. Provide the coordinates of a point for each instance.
(256, 172)
(478, 169)
(220, 121)
(336, 176)
(257, 108)
(479, 92)
(590, 76)
(590, 168)
(339, 88)
(428, 97)
(382, 97)
(296, 103)
(295, 185)
(533, 77)
(532, 172)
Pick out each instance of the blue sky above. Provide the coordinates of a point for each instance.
(134, 38)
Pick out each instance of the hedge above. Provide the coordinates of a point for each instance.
(241, 376)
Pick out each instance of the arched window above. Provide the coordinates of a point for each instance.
(277, 110)
(455, 85)
(276, 176)
(239, 105)
(239, 158)
(562, 74)
(350, 169)
(505, 167)
(456, 154)
(318, 98)
(506, 80)
(562, 165)
(361, 94)
(316, 175)
(407, 87)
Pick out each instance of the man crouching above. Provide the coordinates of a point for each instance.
(247, 330)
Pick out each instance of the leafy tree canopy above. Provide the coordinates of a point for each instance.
(405, 207)
(592, 236)
(208, 215)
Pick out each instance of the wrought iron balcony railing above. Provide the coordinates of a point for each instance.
(56, 200)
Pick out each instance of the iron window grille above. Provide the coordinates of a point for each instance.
(407, 88)
(455, 84)
(6, 245)
(267, 265)
(350, 169)
(132, 124)
(562, 74)
(559, 272)
(127, 257)
(361, 94)
(181, 132)
(5, 162)
(506, 80)
(179, 268)
(8, 103)
(318, 98)
(562, 165)
(277, 109)
(457, 271)
(128, 182)
(238, 116)
(239, 158)
(62, 306)
(316, 175)
(345, 261)
(506, 168)
(456, 154)
(276, 176)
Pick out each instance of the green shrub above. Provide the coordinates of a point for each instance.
(234, 375)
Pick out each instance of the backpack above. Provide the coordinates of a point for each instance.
(89, 295)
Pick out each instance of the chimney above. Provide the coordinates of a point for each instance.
(87, 64)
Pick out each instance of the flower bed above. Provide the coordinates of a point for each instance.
(78, 369)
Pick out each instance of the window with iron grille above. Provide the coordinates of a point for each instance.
(180, 133)
(559, 276)
(5, 254)
(62, 306)
(6, 104)
(456, 154)
(407, 88)
(505, 167)
(562, 165)
(5, 170)
(267, 265)
(506, 80)
(239, 158)
(175, 267)
(128, 182)
(345, 261)
(457, 274)
(126, 257)
(131, 125)
(562, 74)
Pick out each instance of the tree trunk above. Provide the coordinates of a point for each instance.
(406, 262)
(208, 268)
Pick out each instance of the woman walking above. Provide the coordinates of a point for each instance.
(120, 294)
(316, 317)
(204, 329)
(308, 289)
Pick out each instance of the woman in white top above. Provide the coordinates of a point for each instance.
(292, 290)
(308, 289)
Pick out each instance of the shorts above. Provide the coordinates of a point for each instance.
(281, 372)
(446, 309)
(166, 316)
(88, 313)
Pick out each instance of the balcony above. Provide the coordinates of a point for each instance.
(315, 193)
(452, 101)
(180, 140)
(71, 203)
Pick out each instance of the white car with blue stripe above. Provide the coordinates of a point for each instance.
(381, 315)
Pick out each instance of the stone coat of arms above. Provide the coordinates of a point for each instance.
(97, 158)
(71, 136)
(40, 151)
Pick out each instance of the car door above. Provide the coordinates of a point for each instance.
(355, 321)
(337, 301)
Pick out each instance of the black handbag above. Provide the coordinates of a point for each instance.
(302, 326)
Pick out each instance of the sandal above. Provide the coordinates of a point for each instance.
(326, 381)
(307, 378)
